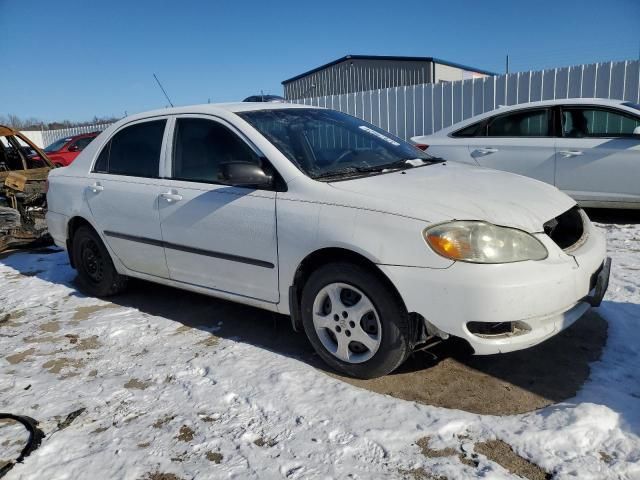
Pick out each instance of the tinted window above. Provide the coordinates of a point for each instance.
(57, 145)
(595, 122)
(470, 131)
(133, 151)
(325, 142)
(528, 123)
(83, 142)
(201, 146)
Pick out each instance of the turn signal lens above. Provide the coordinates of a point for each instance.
(481, 242)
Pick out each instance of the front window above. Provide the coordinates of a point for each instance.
(325, 143)
(580, 122)
(200, 148)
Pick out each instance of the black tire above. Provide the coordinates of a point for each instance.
(394, 346)
(96, 274)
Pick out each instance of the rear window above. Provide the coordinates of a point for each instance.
(57, 145)
(133, 151)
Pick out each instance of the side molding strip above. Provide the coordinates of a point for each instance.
(196, 251)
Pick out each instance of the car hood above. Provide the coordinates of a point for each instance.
(448, 191)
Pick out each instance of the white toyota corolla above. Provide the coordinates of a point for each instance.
(373, 247)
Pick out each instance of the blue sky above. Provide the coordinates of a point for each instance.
(76, 59)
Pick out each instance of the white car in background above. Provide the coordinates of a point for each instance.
(589, 148)
(373, 247)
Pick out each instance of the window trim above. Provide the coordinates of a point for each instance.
(605, 108)
(278, 185)
(107, 143)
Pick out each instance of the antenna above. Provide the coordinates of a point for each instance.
(163, 91)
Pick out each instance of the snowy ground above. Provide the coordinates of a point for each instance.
(162, 397)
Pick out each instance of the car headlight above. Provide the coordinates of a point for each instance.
(481, 242)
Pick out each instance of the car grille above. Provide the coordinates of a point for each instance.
(566, 229)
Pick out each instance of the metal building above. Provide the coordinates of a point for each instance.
(357, 73)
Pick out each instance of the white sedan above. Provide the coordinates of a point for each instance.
(373, 247)
(589, 148)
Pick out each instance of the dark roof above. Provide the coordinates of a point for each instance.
(388, 57)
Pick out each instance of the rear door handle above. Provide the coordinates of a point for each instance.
(96, 187)
(570, 153)
(485, 151)
(171, 196)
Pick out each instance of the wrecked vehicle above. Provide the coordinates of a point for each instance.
(23, 200)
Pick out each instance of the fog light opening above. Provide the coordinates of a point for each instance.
(497, 329)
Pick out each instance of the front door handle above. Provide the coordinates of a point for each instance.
(570, 153)
(485, 151)
(96, 187)
(171, 196)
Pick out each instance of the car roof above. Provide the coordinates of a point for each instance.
(605, 102)
(216, 108)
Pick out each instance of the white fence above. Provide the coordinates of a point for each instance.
(427, 108)
(44, 138)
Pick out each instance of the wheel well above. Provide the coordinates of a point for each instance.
(319, 258)
(74, 224)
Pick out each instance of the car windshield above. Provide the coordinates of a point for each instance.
(329, 144)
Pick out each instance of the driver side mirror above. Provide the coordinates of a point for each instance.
(244, 174)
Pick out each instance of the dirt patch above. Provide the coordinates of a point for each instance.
(420, 474)
(50, 327)
(161, 476)
(135, 384)
(44, 339)
(502, 384)
(144, 445)
(210, 341)
(182, 329)
(57, 365)
(68, 420)
(429, 452)
(83, 313)
(161, 422)
(185, 434)
(91, 343)
(215, 457)
(265, 442)
(502, 453)
(20, 357)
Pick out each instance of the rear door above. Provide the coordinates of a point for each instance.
(122, 192)
(217, 236)
(519, 141)
(598, 156)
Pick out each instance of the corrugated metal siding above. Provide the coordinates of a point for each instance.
(422, 109)
(357, 75)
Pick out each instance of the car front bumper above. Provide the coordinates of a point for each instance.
(537, 298)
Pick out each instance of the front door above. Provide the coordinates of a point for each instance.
(598, 156)
(217, 236)
(122, 192)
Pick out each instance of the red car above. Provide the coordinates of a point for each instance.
(64, 151)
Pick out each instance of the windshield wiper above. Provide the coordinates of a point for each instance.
(403, 164)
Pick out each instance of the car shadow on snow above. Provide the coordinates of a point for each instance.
(446, 376)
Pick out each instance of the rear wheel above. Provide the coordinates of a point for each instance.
(354, 321)
(96, 273)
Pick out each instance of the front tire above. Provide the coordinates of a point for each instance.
(96, 274)
(355, 322)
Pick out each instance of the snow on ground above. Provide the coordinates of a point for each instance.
(162, 397)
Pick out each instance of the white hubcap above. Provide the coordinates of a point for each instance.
(347, 323)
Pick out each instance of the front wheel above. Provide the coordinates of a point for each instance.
(354, 321)
(96, 273)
